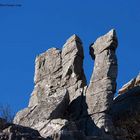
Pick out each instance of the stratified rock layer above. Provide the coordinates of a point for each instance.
(102, 85)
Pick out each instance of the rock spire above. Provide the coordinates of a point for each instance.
(102, 85)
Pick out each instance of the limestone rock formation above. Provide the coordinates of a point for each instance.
(63, 107)
(102, 85)
(59, 80)
(130, 85)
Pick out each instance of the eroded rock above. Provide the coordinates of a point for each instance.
(58, 107)
(102, 85)
(59, 81)
(130, 85)
(9, 131)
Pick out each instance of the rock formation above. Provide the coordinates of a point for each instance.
(63, 107)
(130, 85)
(59, 80)
(102, 85)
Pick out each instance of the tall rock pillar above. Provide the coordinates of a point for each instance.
(102, 85)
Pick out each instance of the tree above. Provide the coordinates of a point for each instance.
(6, 113)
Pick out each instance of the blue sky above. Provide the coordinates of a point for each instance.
(37, 25)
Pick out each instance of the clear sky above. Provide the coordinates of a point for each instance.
(37, 25)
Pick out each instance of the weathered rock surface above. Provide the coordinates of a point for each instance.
(10, 131)
(63, 107)
(59, 81)
(131, 84)
(102, 85)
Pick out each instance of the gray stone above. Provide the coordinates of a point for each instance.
(10, 131)
(59, 80)
(102, 87)
(130, 85)
(63, 107)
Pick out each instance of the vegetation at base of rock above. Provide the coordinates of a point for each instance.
(6, 113)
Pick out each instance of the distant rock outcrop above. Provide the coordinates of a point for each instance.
(63, 107)
(130, 85)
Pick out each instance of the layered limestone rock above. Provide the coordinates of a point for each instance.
(63, 107)
(59, 81)
(130, 85)
(102, 85)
